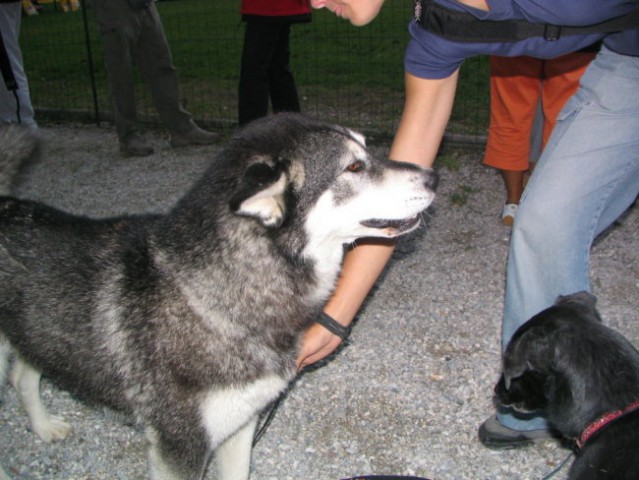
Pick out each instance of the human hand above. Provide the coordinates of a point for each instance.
(358, 12)
(317, 344)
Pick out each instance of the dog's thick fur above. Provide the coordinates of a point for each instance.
(191, 321)
(566, 362)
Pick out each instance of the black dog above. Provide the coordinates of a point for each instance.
(586, 378)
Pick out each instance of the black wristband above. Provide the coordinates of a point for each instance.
(330, 324)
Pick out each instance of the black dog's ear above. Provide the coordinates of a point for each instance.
(584, 298)
(261, 193)
(582, 305)
(530, 351)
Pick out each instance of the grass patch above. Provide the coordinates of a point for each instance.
(344, 74)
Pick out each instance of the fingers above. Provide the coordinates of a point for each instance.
(317, 344)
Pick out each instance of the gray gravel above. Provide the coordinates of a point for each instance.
(404, 397)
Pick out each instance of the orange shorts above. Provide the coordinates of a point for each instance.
(517, 85)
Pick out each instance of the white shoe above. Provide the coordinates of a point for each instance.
(508, 214)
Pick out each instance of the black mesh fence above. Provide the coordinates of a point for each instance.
(353, 76)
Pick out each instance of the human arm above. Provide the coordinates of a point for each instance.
(426, 113)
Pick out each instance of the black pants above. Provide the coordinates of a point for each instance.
(265, 71)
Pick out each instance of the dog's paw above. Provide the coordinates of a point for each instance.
(52, 428)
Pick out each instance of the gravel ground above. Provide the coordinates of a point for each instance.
(404, 397)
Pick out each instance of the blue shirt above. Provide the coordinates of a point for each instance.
(431, 56)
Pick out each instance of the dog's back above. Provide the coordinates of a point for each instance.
(586, 377)
(55, 268)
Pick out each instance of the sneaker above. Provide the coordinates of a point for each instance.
(508, 214)
(195, 136)
(135, 146)
(494, 435)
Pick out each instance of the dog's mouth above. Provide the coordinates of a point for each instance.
(394, 227)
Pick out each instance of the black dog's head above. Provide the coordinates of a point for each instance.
(566, 362)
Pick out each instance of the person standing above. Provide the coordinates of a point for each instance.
(15, 99)
(131, 32)
(587, 176)
(518, 87)
(265, 71)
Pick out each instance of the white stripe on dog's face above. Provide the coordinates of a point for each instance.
(398, 196)
(369, 198)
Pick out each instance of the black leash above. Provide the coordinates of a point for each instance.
(267, 416)
(558, 467)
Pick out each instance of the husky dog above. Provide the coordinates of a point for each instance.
(191, 321)
(586, 378)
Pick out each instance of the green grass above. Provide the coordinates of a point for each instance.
(345, 74)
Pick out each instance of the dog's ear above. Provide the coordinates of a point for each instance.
(583, 303)
(582, 298)
(531, 351)
(261, 192)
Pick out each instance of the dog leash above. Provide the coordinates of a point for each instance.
(558, 467)
(269, 413)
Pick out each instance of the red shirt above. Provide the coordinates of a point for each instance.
(275, 8)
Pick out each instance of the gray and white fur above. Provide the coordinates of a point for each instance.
(191, 321)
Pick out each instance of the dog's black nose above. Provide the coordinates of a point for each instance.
(432, 179)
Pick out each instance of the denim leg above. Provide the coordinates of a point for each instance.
(587, 177)
(18, 108)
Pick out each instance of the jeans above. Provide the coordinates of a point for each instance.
(587, 176)
(15, 107)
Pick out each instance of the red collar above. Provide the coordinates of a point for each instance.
(602, 421)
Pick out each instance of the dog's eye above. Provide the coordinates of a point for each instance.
(356, 166)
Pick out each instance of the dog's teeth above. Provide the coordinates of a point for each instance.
(399, 225)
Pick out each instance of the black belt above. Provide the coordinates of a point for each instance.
(464, 27)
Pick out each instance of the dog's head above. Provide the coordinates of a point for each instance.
(529, 379)
(300, 171)
(566, 362)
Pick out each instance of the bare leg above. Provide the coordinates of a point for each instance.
(514, 181)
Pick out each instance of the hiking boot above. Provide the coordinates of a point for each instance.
(195, 136)
(494, 435)
(135, 146)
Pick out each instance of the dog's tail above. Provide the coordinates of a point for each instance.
(17, 145)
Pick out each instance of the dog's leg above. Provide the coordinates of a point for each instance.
(5, 353)
(185, 459)
(159, 469)
(3, 474)
(26, 380)
(233, 457)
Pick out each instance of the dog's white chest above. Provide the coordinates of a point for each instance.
(225, 410)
